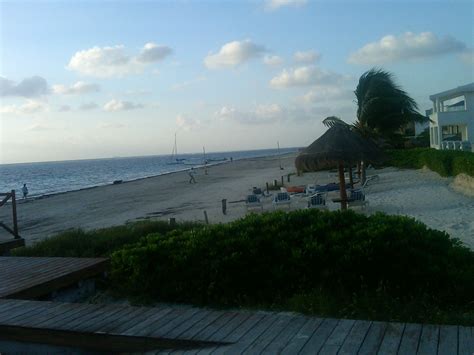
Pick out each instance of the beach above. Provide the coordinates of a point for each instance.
(421, 194)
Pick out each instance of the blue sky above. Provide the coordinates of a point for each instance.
(117, 78)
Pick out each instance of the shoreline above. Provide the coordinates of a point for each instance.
(20, 200)
(423, 195)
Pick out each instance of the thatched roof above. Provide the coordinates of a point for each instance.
(339, 143)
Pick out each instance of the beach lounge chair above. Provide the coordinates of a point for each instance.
(282, 199)
(253, 201)
(357, 198)
(370, 179)
(318, 200)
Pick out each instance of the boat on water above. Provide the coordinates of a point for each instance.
(174, 155)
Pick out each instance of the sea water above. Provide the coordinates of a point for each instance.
(61, 176)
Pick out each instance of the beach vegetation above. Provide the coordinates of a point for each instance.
(327, 263)
(99, 242)
(444, 162)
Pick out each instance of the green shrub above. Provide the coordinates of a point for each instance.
(444, 162)
(99, 242)
(270, 258)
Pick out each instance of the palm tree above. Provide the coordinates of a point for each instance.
(383, 108)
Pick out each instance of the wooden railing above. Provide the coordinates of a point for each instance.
(7, 196)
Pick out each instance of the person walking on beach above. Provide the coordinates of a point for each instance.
(191, 176)
(24, 189)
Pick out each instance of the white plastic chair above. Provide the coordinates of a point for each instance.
(282, 199)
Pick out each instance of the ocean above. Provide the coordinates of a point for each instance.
(62, 176)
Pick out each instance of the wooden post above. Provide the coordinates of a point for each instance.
(288, 177)
(268, 189)
(15, 221)
(342, 186)
(172, 221)
(205, 217)
(282, 181)
(275, 183)
(224, 206)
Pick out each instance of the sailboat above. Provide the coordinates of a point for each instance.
(174, 154)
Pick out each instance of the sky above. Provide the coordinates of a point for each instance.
(96, 79)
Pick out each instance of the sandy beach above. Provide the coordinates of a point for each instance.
(418, 193)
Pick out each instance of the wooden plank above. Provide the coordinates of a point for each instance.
(355, 338)
(44, 311)
(319, 337)
(25, 277)
(392, 338)
(373, 338)
(302, 337)
(229, 327)
(269, 335)
(198, 327)
(279, 343)
(466, 341)
(139, 315)
(410, 339)
(217, 324)
(70, 313)
(59, 315)
(163, 328)
(190, 323)
(253, 332)
(429, 339)
(105, 315)
(238, 332)
(142, 328)
(338, 336)
(448, 340)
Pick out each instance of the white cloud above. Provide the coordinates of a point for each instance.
(28, 108)
(468, 56)
(306, 76)
(29, 87)
(64, 108)
(113, 61)
(187, 123)
(188, 83)
(37, 127)
(273, 60)
(233, 53)
(327, 93)
(260, 114)
(88, 106)
(307, 57)
(78, 88)
(152, 52)
(405, 46)
(111, 125)
(119, 105)
(276, 4)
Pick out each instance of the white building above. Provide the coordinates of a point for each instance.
(452, 119)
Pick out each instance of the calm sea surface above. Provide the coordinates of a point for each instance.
(53, 177)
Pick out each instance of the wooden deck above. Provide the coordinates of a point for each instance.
(189, 330)
(27, 278)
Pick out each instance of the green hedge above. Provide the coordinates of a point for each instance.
(99, 242)
(272, 258)
(444, 162)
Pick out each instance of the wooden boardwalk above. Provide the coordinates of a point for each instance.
(188, 330)
(26, 278)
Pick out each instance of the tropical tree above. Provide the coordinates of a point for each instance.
(383, 108)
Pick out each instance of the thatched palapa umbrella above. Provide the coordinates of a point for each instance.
(338, 146)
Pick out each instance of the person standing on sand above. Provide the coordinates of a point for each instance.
(191, 176)
(24, 189)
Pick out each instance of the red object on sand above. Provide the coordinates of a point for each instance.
(295, 189)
